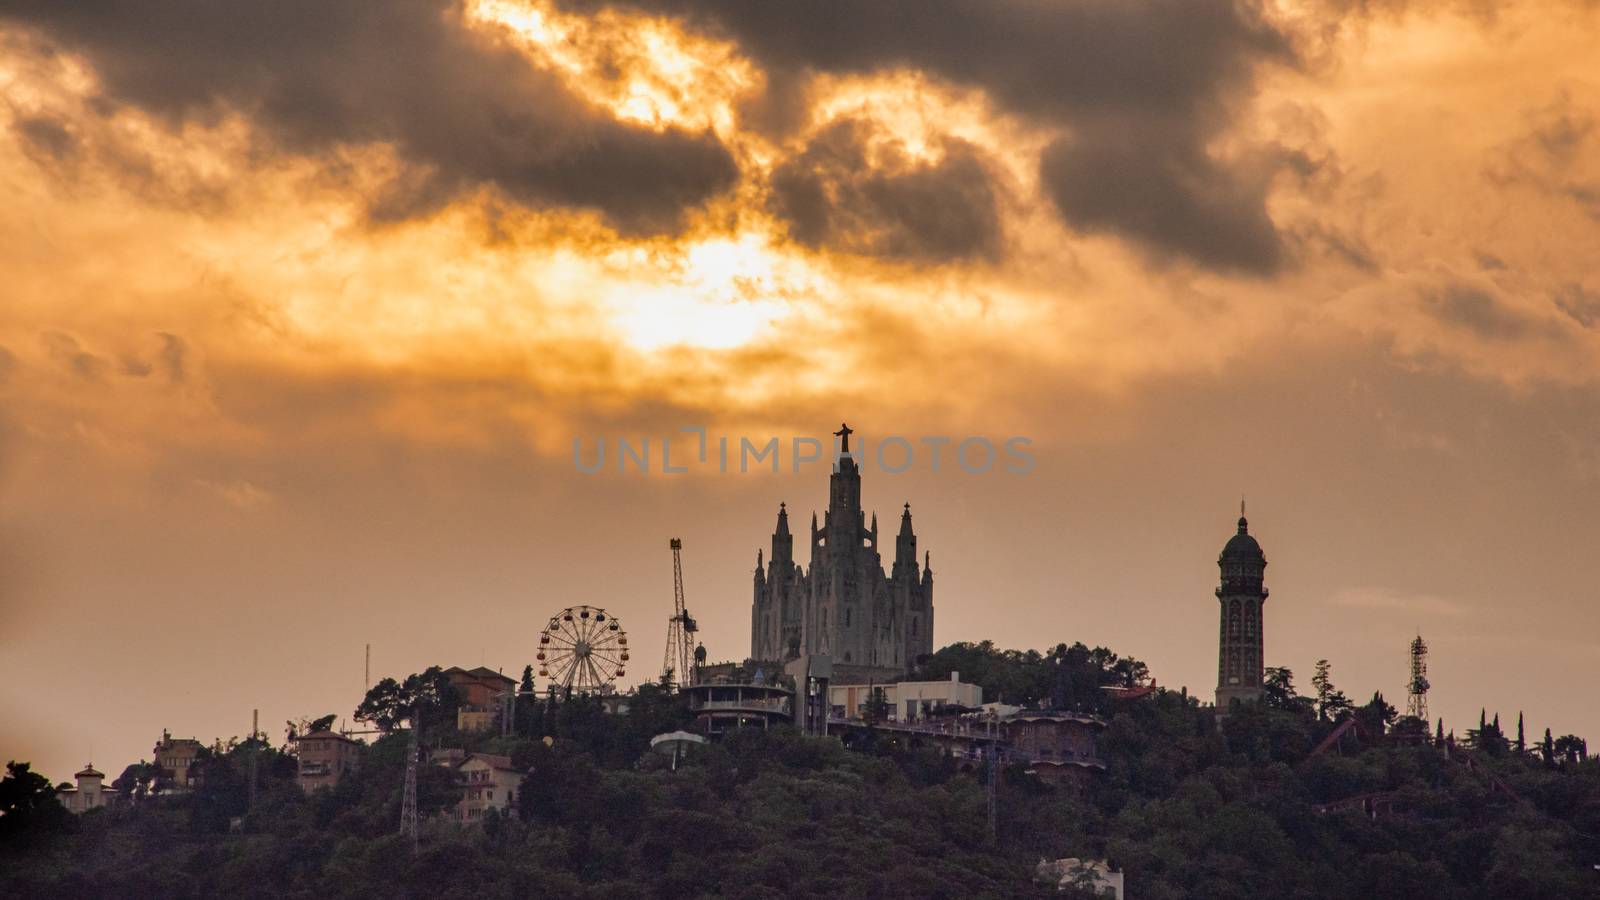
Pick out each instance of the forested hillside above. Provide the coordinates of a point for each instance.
(1186, 809)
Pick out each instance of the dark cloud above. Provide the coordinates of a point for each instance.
(1140, 87)
(1548, 157)
(1172, 197)
(462, 106)
(174, 357)
(66, 351)
(1581, 304)
(1485, 315)
(1488, 261)
(835, 194)
(46, 136)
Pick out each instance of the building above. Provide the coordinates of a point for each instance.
(174, 757)
(1240, 597)
(325, 757)
(908, 701)
(1059, 746)
(874, 626)
(1093, 875)
(487, 782)
(483, 692)
(90, 793)
(722, 706)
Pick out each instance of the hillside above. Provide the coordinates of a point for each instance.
(1186, 809)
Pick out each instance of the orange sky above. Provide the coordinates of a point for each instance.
(303, 307)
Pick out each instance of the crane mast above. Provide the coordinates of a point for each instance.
(678, 665)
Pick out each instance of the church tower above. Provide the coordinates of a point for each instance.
(1241, 596)
(875, 626)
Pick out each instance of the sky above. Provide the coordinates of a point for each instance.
(304, 305)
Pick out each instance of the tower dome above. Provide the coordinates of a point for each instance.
(1242, 547)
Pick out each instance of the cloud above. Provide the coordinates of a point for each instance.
(1142, 90)
(1581, 304)
(461, 106)
(47, 136)
(65, 350)
(1554, 155)
(8, 364)
(843, 193)
(1170, 196)
(1483, 314)
(239, 494)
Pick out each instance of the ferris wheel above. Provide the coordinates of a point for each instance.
(583, 649)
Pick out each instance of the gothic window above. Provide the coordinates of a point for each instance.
(913, 627)
(847, 617)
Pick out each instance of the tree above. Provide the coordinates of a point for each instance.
(1487, 737)
(1522, 742)
(1548, 749)
(877, 706)
(1571, 748)
(28, 804)
(1331, 702)
(1278, 691)
(137, 781)
(1377, 715)
(426, 697)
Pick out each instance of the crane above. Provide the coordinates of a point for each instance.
(679, 661)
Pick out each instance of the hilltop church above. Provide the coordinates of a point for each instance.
(844, 606)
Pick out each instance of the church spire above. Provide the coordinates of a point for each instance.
(782, 541)
(905, 546)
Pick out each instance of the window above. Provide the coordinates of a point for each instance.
(847, 617)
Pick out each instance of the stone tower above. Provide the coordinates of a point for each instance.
(1241, 596)
(844, 605)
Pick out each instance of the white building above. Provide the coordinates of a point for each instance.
(909, 701)
(1085, 874)
(487, 782)
(90, 793)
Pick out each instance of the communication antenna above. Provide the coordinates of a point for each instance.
(1417, 688)
(678, 663)
(255, 731)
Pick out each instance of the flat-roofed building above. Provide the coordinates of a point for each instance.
(175, 757)
(908, 701)
(1059, 746)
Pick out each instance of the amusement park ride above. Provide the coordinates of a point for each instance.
(678, 665)
(582, 650)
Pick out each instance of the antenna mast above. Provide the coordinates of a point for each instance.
(678, 664)
(1417, 688)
